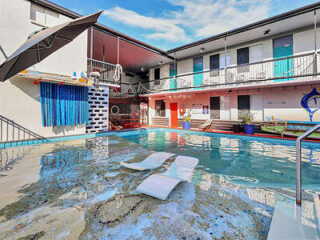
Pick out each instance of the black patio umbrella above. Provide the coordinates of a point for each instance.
(43, 43)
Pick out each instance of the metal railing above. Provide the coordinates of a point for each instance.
(281, 69)
(10, 131)
(105, 69)
(298, 162)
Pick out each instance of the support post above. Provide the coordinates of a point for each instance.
(315, 62)
(91, 48)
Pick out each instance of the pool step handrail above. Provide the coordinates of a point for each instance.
(298, 161)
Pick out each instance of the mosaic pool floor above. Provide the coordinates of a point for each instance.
(77, 190)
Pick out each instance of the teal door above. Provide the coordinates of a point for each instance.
(173, 81)
(282, 48)
(198, 67)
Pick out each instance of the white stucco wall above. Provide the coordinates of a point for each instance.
(19, 98)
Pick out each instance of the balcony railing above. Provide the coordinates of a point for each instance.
(105, 69)
(280, 69)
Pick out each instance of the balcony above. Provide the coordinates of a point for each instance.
(106, 71)
(282, 70)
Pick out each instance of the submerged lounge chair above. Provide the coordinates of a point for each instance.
(161, 185)
(153, 161)
(206, 126)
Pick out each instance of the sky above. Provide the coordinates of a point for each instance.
(167, 24)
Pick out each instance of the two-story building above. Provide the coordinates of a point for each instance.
(270, 68)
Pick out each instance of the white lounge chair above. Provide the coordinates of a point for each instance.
(161, 185)
(153, 161)
(206, 126)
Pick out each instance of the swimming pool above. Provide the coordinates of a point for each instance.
(77, 189)
(255, 161)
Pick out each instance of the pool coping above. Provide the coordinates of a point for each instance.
(119, 133)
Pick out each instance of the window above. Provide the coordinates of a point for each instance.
(43, 16)
(243, 59)
(160, 108)
(243, 56)
(214, 65)
(224, 60)
(157, 76)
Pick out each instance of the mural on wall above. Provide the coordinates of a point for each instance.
(311, 98)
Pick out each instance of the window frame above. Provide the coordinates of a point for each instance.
(214, 71)
(156, 78)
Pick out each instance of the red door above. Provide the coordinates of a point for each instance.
(174, 114)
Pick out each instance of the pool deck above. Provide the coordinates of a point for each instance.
(263, 135)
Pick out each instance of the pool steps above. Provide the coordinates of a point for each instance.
(291, 221)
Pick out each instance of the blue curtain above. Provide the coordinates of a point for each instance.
(63, 105)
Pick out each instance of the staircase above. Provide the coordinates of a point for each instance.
(12, 132)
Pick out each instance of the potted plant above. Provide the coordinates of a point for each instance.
(248, 126)
(186, 122)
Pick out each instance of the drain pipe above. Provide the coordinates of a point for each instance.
(298, 162)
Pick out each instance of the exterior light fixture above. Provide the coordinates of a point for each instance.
(160, 63)
(201, 50)
(266, 32)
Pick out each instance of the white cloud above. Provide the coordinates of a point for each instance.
(160, 28)
(208, 17)
(200, 18)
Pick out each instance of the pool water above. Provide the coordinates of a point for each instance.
(77, 189)
(262, 162)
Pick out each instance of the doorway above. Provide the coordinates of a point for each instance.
(174, 114)
(198, 67)
(283, 48)
(215, 107)
(243, 105)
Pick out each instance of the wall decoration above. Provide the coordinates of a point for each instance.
(205, 109)
(63, 105)
(197, 108)
(314, 95)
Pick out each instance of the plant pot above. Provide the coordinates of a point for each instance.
(186, 125)
(249, 129)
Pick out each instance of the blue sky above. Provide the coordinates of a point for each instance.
(170, 23)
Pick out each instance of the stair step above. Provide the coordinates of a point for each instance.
(292, 222)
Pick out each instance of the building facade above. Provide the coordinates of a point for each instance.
(270, 68)
(20, 96)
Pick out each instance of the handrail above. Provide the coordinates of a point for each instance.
(298, 161)
(4, 132)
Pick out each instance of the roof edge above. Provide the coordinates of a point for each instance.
(72, 14)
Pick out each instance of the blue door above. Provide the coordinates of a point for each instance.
(198, 67)
(173, 81)
(283, 48)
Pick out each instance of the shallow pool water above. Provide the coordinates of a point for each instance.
(77, 189)
(247, 160)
